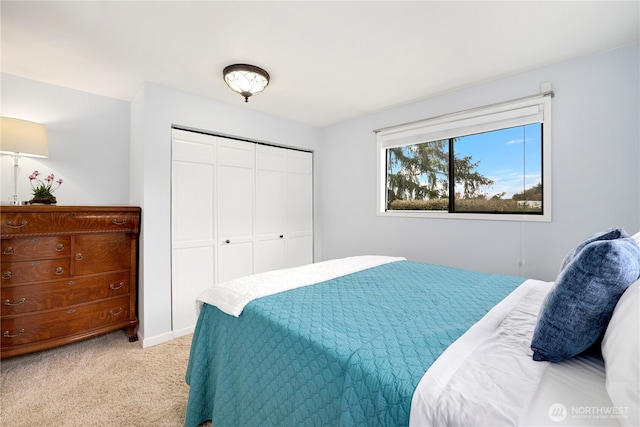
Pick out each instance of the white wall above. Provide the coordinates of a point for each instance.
(154, 111)
(595, 178)
(88, 142)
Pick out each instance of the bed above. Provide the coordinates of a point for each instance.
(385, 341)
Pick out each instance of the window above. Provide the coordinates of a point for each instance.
(487, 163)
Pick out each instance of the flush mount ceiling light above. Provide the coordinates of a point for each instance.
(246, 79)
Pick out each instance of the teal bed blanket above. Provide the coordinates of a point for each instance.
(348, 351)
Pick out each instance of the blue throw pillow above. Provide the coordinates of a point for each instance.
(610, 234)
(578, 308)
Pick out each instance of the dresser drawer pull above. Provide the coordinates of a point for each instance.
(7, 334)
(71, 282)
(116, 287)
(78, 256)
(22, 224)
(59, 271)
(115, 313)
(20, 301)
(6, 275)
(116, 222)
(59, 247)
(8, 250)
(73, 310)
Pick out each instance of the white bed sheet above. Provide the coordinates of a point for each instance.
(488, 376)
(232, 296)
(573, 393)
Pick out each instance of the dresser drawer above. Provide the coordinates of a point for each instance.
(25, 329)
(34, 271)
(46, 296)
(66, 220)
(35, 248)
(96, 253)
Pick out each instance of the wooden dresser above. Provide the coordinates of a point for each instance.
(68, 273)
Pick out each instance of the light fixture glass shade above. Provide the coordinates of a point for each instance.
(247, 80)
(23, 137)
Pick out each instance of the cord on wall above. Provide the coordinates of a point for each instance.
(522, 260)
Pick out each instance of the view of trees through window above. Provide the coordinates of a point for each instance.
(491, 172)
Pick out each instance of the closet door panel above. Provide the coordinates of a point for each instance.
(192, 273)
(299, 161)
(193, 183)
(271, 208)
(235, 188)
(299, 250)
(235, 192)
(269, 255)
(193, 193)
(236, 204)
(193, 223)
(271, 202)
(235, 260)
(300, 192)
(299, 208)
(300, 204)
(193, 147)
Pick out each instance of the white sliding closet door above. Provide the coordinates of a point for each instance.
(235, 208)
(271, 208)
(193, 224)
(299, 208)
(284, 208)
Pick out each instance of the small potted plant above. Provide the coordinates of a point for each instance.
(43, 190)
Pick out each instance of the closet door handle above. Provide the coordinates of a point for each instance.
(282, 236)
(227, 241)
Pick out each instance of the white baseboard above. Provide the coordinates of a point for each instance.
(162, 338)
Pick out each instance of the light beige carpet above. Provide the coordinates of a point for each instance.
(103, 381)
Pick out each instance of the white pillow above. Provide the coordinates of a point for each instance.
(621, 353)
(636, 237)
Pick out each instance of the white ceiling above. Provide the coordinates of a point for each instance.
(329, 60)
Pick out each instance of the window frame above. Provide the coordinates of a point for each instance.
(534, 109)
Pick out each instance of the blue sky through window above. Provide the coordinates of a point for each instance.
(511, 157)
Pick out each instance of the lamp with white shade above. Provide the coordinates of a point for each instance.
(21, 138)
